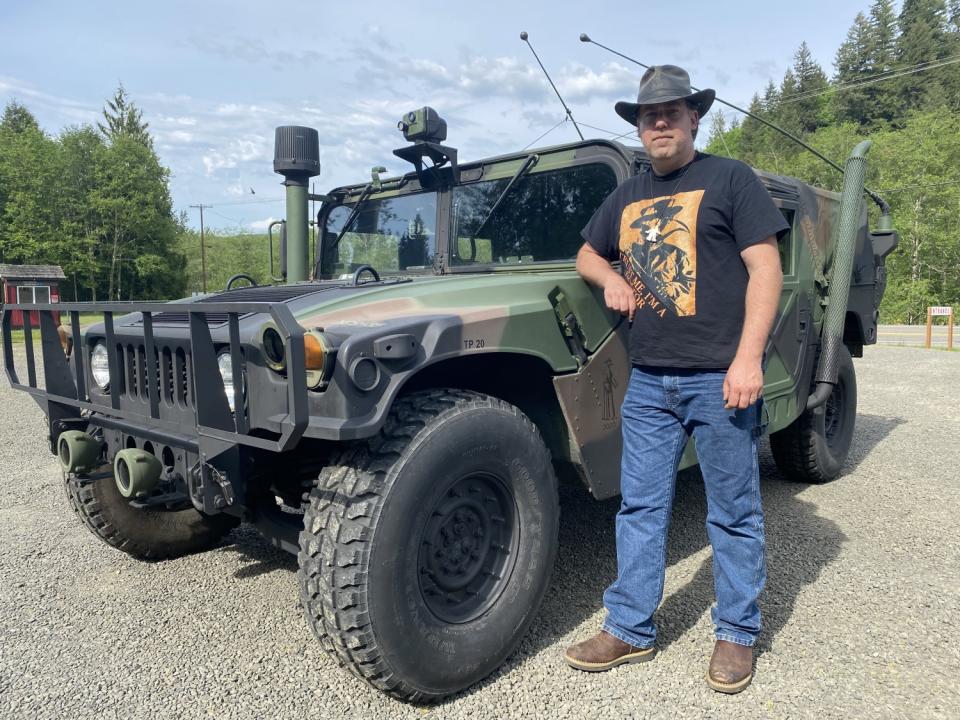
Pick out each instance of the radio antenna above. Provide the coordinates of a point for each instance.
(524, 36)
(884, 207)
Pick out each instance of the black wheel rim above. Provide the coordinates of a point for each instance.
(833, 415)
(468, 548)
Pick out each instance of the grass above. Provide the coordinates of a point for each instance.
(86, 319)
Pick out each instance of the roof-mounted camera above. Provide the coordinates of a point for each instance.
(426, 130)
(423, 124)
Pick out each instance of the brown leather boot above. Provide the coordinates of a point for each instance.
(604, 651)
(731, 667)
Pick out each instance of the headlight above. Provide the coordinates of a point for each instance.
(315, 352)
(225, 365)
(318, 354)
(100, 366)
(273, 349)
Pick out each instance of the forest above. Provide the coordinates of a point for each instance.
(95, 199)
(895, 80)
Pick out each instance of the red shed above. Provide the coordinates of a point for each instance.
(30, 284)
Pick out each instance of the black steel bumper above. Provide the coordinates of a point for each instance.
(215, 434)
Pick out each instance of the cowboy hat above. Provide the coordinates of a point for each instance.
(661, 84)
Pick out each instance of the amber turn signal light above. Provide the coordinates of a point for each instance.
(313, 351)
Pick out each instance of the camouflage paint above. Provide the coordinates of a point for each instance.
(522, 319)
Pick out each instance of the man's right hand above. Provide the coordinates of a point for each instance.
(596, 270)
(618, 295)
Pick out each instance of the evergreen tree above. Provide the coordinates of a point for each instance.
(808, 107)
(124, 119)
(952, 71)
(137, 228)
(771, 98)
(852, 63)
(18, 120)
(81, 152)
(923, 39)
(752, 135)
(883, 96)
(27, 177)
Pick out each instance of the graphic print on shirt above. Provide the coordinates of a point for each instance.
(658, 249)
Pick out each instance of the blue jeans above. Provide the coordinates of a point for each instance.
(661, 408)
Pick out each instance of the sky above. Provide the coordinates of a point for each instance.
(214, 79)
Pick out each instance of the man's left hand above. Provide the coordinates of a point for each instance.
(743, 385)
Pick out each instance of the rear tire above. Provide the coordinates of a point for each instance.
(427, 549)
(815, 446)
(144, 534)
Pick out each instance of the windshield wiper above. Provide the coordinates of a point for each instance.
(354, 214)
(524, 169)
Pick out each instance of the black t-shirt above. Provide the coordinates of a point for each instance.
(679, 238)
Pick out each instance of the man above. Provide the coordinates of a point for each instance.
(697, 239)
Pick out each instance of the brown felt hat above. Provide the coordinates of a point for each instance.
(661, 84)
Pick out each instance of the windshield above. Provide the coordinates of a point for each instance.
(396, 234)
(539, 220)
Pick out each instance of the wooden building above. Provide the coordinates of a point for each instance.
(30, 284)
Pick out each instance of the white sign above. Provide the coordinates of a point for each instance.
(941, 311)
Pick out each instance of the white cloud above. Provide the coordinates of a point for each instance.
(239, 109)
(174, 137)
(503, 77)
(69, 110)
(184, 121)
(578, 83)
(251, 50)
(429, 70)
(262, 225)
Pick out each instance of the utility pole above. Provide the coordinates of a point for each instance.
(203, 254)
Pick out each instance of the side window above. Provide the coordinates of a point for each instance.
(41, 294)
(539, 220)
(25, 294)
(785, 244)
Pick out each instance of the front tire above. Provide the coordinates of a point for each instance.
(144, 534)
(427, 549)
(815, 446)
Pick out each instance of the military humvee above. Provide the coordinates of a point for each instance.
(396, 420)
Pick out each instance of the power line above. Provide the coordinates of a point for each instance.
(248, 202)
(221, 215)
(604, 130)
(546, 133)
(872, 80)
(904, 188)
(203, 253)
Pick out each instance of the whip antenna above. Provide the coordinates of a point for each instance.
(524, 36)
(884, 208)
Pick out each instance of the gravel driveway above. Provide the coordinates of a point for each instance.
(861, 612)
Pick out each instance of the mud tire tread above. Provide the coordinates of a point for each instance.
(339, 522)
(155, 535)
(800, 450)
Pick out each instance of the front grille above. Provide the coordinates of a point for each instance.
(173, 369)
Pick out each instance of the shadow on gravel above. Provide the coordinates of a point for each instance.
(800, 545)
(263, 557)
(870, 430)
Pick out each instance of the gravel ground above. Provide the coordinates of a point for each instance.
(861, 609)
